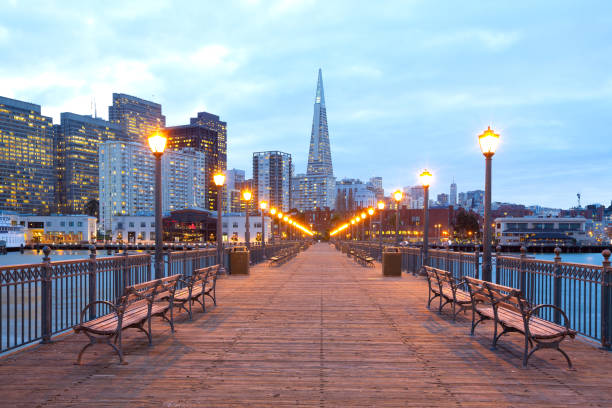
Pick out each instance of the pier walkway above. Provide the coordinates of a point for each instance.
(318, 331)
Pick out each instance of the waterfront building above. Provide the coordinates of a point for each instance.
(540, 230)
(134, 229)
(127, 180)
(77, 140)
(316, 188)
(453, 194)
(234, 228)
(353, 194)
(26, 158)
(190, 225)
(137, 118)
(272, 173)
(207, 140)
(441, 221)
(57, 229)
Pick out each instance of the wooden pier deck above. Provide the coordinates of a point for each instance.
(318, 331)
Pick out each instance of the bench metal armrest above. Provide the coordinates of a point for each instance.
(532, 312)
(113, 307)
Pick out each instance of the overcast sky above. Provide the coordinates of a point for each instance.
(408, 84)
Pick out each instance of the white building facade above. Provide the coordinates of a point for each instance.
(234, 227)
(59, 228)
(540, 230)
(272, 172)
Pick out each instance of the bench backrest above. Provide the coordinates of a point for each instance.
(478, 290)
(497, 295)
(147, 292)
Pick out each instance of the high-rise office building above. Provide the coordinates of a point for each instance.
(272, 179)
(376, 185)
(443, 199)
(212, 122)
(316, 188)
(127, 180)
(453, 194)
(354, 194)
(77, 140)
(138, 118)
(26, 158)
(205, 138)
(234, 184)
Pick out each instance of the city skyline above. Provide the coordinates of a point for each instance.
(419, 102)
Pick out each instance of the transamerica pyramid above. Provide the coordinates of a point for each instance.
(319, 156)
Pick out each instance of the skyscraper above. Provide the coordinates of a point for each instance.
(26, 158)
(77, 139)
(316, 188)
(127, 180)
(453, 194)
(208, 136)
(138, 118)
(272, 179)
(234, 183)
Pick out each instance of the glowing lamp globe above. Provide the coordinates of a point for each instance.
(425, 178)
(272, 210)
(370, 211)
(219, 179)
(488, 141)
(381, 205)
(246, 195)
(157, 143)
(397, 196)
(363, 215)
(263, 205)
(280, 215)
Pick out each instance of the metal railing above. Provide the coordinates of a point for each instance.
(583, 291)
(43, 299)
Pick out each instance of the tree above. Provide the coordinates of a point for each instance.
(466, 222)
(92, 208)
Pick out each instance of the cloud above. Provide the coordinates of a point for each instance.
(4, 34)
(492, 40)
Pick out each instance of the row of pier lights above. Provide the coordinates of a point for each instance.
(488, 142)
(157, 144)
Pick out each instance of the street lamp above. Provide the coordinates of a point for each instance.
(157, 143)
(488, 141)
(381, 207)
(425, 179)
(263, 205)
(219, 180)
(363, 217)
(370, 213)
(397, 196)
(246, 196)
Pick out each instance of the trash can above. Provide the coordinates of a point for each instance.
(392, 262)
(239, 260)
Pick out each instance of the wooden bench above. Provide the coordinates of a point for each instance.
(362, 258)
(443, 285)
(507, 307)
(200, 284)
(283, 256)
(135, 308)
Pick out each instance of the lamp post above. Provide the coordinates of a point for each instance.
(263, 205)
(370, 213)
(219, 180)
(425, 179)
(280, 233)
(363, 217)
(272, 220)
(246, 196)
(488, 141)
(381, 207)
(352, 229)
(157, 143)
(397, 196)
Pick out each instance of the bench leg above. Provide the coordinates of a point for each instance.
(142, 329)
(88, 345)
(552, 345)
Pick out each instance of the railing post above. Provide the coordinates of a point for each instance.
(477, 264)
(93, 284)
(126, 270)
(522, 272)
(606, 302)
(448, 265)
(557, 285)
(460, 265)
(497, 263)
(46, 292)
